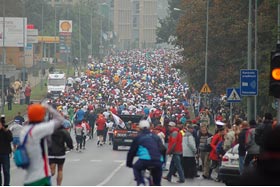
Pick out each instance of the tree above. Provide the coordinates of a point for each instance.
(227, 47)
(167, 25)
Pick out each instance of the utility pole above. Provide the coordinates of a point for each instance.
(256, 53)
(250, 99)
(24, 29)
(91, 29)
(206, 47)
(80, 36)
(3, 60)
(43, 46)
(54, 31)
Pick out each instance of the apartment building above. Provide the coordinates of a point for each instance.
(64, 2)
(135, 23)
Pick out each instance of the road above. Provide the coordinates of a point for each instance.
(100, 166)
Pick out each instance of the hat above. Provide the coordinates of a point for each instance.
(36, 113)
(220, 123)
(171, 123)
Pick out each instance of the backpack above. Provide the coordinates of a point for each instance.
(208, 147)
(21, 157)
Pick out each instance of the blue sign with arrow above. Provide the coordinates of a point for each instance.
(249, 82)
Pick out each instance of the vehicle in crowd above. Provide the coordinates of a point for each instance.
(124, 136)
(229, 170)
(56, 84)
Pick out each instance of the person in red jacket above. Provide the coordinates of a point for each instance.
(214, 157)
(175, 149)
(101, 124)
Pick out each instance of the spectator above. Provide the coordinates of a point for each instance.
(189, 153)
(267, 169)
(203, 150)
(253, 150)
(214, 157)
(38, 171)
(262, 128)
(15, 128)
(27, 94)
(19, 118)
(21, 96)
(6, 138)
(229, 138)
(10, 100)
(175, 149)
(242, 149)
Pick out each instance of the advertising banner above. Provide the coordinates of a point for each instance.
(15, 32)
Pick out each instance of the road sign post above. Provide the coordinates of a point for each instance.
(233, 96)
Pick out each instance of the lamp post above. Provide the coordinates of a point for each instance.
(43, 46)
(24, 29)
(80, 36)
(250, 99)
(3, 61)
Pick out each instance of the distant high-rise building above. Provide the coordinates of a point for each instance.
(135, 23)
(59, 2)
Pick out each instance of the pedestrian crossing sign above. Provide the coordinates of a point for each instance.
(233, 95)
(205, 89)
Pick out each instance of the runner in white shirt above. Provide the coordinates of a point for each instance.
(38, 172)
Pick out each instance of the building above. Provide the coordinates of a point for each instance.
(123, 23)
(135, 23)
(64, 2)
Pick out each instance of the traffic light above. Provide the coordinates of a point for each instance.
(274, 83)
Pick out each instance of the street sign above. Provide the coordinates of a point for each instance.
(205, 89)
(249, 82)
(233, 95)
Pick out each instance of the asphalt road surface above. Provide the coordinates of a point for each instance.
(101, 166)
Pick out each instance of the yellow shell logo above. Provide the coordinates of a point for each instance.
(65, 26)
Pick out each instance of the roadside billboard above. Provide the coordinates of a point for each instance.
(15, 32)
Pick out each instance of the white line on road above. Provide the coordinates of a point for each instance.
(119, 161)
(111, 175)
(96, 160)
(73, 160)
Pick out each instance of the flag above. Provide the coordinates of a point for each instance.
(118, 120)
(162, 118)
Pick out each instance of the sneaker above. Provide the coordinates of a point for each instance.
(197, 175)
(180, 181)
(217, 180)
(205, 177)
(98, 142)
(164, 169)
(165, 177)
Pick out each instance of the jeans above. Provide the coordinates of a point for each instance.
(241, 164)
(156, 171)
(176, 165)
(5, 165)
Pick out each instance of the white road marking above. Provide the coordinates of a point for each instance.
(73, 160)
(111, 175)
(119, 161)
(96, 160)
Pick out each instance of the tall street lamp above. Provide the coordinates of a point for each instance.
(3, 60)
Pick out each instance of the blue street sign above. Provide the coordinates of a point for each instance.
(249, 82)
(233, 95)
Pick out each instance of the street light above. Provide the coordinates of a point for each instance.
(3, 60)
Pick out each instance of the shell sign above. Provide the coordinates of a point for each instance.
(65, 26)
